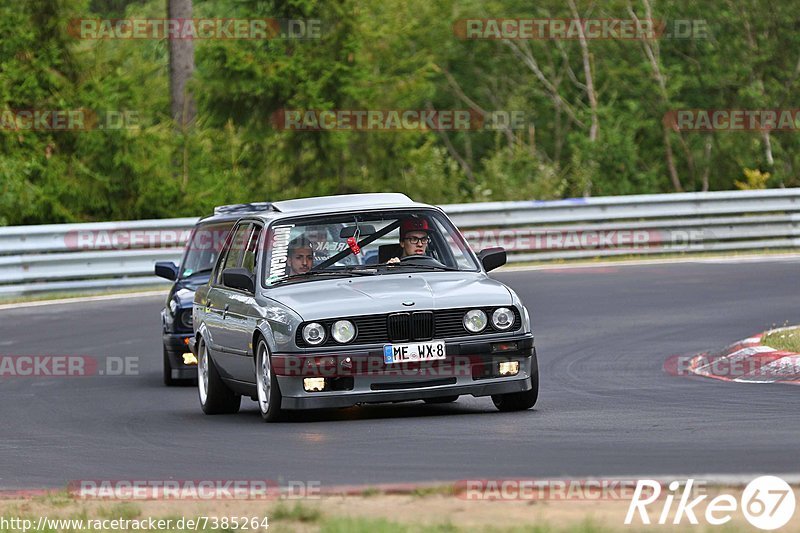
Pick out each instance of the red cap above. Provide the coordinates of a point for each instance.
(414, 224)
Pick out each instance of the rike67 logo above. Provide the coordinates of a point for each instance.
(767, 502)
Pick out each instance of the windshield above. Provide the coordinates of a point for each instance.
(204, 247)
(364, 244)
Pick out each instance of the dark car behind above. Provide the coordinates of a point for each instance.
(203, 246)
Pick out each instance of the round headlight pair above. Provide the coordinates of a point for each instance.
(342, 331)
(475, 320)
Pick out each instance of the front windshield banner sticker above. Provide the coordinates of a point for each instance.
(280, 251)
(329, 246)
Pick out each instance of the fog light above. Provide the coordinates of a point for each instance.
(189, 359)
(314, 384)
(509, 368)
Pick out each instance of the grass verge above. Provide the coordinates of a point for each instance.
(426, 511)
(787, 340)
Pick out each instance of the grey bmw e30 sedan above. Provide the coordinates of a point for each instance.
(366, 298)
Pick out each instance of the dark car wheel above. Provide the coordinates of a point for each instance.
(442, 399)
(520, 401)
(215, 397)
(269, 394)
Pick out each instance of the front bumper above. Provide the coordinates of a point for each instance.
(175, 345)
(469, 369)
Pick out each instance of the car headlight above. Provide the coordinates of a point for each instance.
(343, 331)
(475, 320)
(503, 318)
(186, 318)
(314, 334)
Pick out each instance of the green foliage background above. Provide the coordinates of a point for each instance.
(385, 54)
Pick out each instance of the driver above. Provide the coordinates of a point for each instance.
(301, 256)
(414, 238)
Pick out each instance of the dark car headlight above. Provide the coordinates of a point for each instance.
(185, 318)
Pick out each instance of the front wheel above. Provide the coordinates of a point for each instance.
(520, 401)
(215, 397)
(269, 395)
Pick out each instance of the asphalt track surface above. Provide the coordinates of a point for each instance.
(606, 407)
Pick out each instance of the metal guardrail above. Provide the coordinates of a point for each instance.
(83, 256)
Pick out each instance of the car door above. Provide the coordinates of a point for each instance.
(218, 299)
(242, 316)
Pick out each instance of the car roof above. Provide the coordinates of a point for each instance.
(312, 206)
(343, 201)
(233, 212)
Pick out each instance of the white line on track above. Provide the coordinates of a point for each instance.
(64, 301)
(678, 260)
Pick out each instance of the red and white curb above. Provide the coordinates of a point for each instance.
(746, 361)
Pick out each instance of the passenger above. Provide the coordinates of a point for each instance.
(414, 238)
(301, 256)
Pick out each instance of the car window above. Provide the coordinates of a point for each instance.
(234, 250)
(308, 248)
(250, 259)
(454, 246)
(204, 247)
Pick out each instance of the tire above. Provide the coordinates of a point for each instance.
(215, 397)
(520, 401)
(269, 394)
(441, 399)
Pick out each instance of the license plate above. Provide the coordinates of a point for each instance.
(418, 351)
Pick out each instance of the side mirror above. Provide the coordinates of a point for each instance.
(167, 270)
(492, 258)
(238, 278)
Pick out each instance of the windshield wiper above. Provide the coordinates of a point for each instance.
(420, 266)
(335, 273)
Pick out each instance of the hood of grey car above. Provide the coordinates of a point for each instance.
(320, 299)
